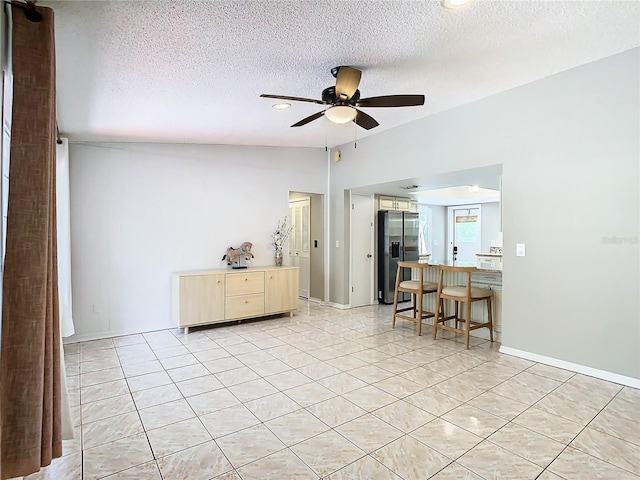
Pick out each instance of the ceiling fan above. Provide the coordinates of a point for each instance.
(345, 97)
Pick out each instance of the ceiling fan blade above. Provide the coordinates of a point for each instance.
(296, 99)
(392, 101)
(347, 82)
(310, 118)
(365, 121)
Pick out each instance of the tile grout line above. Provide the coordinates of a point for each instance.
(166, 371)
(191, 408)
(341, 395)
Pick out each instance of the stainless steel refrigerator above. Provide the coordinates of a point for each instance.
(397, 241)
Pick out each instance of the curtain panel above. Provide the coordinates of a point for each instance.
(30, 354)
(63, 211)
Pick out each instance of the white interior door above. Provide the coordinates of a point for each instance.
(466, 238)
(361, 250)
(300, 214)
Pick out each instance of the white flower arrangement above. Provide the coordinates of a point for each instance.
(281, 234)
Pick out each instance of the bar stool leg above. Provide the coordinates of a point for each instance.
(456, 313)
(468, 324)
(419, 313)
(439, 305)
(413, 304)
(490, 316)
(395, 299)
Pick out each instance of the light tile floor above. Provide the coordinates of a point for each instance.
(336, 394)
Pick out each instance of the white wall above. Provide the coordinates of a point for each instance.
(140, 212)
(438, 233)
(569, 145)
(489, 224)
(439, 224)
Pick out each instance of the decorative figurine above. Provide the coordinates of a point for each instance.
(235, 255)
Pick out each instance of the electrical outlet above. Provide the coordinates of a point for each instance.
(520, 250)
(96, 309)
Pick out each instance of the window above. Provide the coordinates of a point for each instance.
(7, 93)
(7, 96)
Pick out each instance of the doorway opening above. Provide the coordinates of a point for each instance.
(464, 235)
(306, 245)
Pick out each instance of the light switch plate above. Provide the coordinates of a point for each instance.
(520, 250)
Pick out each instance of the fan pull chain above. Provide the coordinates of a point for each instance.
(355, 136)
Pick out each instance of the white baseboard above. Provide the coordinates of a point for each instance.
(573, 367)
(338, 305)
(85, 337)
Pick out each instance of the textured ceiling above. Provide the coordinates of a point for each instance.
(192, 71)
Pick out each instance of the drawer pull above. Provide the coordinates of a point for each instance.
(246, 301)
(246, 279)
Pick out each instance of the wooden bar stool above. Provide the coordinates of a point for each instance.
(417, 289)
(462, 294)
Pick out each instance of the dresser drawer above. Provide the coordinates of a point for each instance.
(244, 283)
(241, 306)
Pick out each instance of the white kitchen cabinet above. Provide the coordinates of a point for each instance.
(401, 204)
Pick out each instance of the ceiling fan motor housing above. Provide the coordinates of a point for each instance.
(329, 96)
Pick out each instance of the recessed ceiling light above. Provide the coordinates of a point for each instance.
(454, 3)
(281, 106)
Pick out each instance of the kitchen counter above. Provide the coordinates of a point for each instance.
(491, 271)
(480, 277)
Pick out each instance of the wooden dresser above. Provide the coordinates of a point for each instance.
(214, 296)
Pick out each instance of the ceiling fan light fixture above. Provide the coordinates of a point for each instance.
(281, 106)
(340, 114)
(454, 3)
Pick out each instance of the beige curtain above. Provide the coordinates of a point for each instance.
(30, 355)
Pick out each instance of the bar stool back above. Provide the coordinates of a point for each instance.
(461, 294)
(417, 289)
